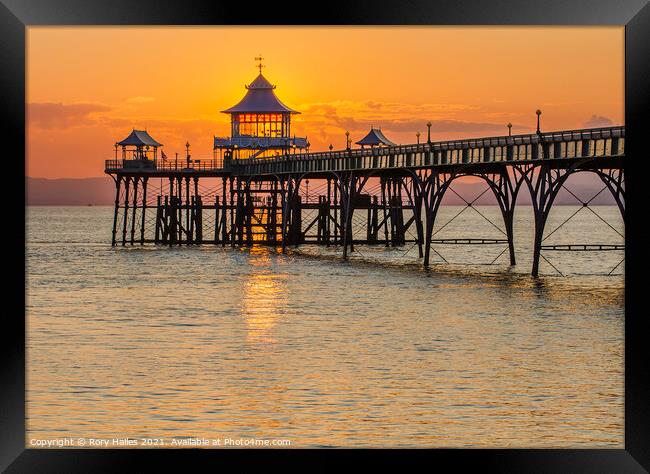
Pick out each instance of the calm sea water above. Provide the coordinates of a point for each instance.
(221, 343)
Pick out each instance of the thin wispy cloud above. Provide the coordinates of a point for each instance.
(51, 115)
(327, 121)
(598, 121)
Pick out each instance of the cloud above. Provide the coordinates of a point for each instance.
(598, 121)
(139, 100)
(372, 108)
(326, 122)
(70, 116)
(51, 115)
(390, 116)
(437, 126)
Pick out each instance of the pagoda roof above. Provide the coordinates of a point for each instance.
(260, 97)
(139, 138)
(375, 137)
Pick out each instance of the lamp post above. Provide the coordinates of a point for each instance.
(187, 153)
(509, 129)
(538, 112)
(417, 135)
(429, 132)
(331, 147)
(347, 139)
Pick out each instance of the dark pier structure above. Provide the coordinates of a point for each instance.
(264, 186)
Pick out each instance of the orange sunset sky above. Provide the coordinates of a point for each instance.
(87, 87)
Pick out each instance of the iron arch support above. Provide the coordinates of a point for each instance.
(543, 190)
(614, 179)
(433, 190)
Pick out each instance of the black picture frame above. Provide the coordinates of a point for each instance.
(16, 15)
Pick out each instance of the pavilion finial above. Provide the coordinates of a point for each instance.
(260, 65)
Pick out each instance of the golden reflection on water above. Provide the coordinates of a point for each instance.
(264, 298)
(223, 343)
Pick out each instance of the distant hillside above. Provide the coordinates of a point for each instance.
(70, 192)
(101, 191)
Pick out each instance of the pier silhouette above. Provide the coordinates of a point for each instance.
(259, 184)
(258, 200)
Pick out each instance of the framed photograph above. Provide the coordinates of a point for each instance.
(400, 231)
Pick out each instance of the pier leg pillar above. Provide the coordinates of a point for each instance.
(350, 189)
(296, 220)
(198, 225)
(238, 226)
(384, 207)
(126, 209)
(319, 221)
(224, 212)
(179, 210)
(375, 219)
(391, 210)
(328, 213)
(118, 182)
(287, 198)
(168, 216)
(417, 213)
(234, 213)
(249, 210)
(173, 220)
(166, 223)
(508, 219)
(346, 195)
(192, 213)
(158, 219)
(187, 207)
(401, 232)
(430, 218)
(217, 220)
(537, 245)
(197, 212)
(136, 180)
(336, 210)
(540, 189)
(232, 210)
(144, 208)
(272, 232)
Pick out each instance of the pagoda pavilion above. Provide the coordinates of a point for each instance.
(139, 150)
(374, 138)
(260, 124)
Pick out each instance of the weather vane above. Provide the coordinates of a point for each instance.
(260, 66)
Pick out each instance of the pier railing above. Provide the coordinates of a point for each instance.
(568, 144)
(165, 166)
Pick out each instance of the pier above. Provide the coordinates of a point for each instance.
(263, 186)
(259, 200)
